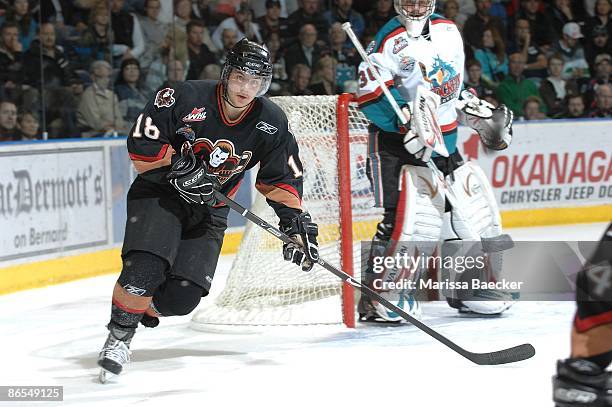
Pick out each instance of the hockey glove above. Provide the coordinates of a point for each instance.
(193, 183)
(493, 124)
(305, 252)
(415, 146)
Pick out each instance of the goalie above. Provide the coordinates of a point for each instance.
(419, 49)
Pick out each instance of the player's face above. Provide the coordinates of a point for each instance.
(242, 87)
(415, 8)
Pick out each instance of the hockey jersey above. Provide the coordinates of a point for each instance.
(229, 148)
(435, 61)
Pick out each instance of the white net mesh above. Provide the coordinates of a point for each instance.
(262, 288)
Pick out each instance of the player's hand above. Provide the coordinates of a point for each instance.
(415, 146)
(193, 183)
(305, 252)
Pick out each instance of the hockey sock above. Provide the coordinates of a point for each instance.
(602, 360)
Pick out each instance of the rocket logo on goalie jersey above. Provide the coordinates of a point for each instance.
(443, 78)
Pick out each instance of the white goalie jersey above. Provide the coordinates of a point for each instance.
(435, 61)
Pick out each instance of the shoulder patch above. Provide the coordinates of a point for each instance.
(165, 98)
(399, 44)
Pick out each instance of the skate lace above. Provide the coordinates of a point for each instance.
(118, 351)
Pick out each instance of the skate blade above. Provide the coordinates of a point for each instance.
(105, 376)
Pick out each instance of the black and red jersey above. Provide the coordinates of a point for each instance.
(259, 136)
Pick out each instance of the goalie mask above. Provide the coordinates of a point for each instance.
(251, 59)
(414, 14)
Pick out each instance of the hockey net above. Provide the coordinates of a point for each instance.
(262, 288)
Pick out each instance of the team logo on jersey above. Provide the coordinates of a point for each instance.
(370, 47)
(165, 98)
(221, 156)
(407, 63)
(443, 78)
(198, 114)
(266, 128)
(399, 44)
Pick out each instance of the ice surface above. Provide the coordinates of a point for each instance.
(51, 336)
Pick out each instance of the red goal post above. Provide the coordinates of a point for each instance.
(263, 289)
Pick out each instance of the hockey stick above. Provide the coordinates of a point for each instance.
(510, 355)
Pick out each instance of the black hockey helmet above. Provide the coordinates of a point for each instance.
(250, 58)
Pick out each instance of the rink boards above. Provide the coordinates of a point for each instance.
(62, 204)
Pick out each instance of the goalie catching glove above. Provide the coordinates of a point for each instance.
(493, 124)
(193, 183)
(305, 252)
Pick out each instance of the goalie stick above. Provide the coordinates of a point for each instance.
(510, 355)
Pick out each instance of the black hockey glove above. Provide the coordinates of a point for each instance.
(193, 183)
(302, 230)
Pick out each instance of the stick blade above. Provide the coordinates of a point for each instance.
(500, 357)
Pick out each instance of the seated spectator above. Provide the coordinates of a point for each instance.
(12, 73)
(535, 68)
(575, 66)
(473, 78)
(28, 27)
(603, 102)
(131, 94)
(380, 15)
(323, 81)
(602, 75)
(492, 57)
(204, 11)
(554, 88)
(515, 88)
(8, 121)
(342, 12)
(300, 78)
(241, 23)
(176, 74)
(279, 68)
(538, 22)
(599, 43)
(98, 113)
(177, 34)
(27, 126)
(451, 12)
(532, 109)
(559, 13)
(271, 22)
(153, 31)
(603, 9)
(95, 43)
(199, 54)
(347, 58)
(229, 38)
(307, 13)
(128, 40)
(62, 113)
(477, 23)
(573, 107)
(57, 67)
(211, 72)
(306, 51)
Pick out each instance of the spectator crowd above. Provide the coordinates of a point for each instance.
(85, 68)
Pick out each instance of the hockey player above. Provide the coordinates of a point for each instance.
(190, 140)
(420, 48)
(582, 379)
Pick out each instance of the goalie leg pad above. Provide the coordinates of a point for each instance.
(416, 230)
(478, 219)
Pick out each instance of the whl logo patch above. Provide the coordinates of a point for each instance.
(198, 114)
(266, 128)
